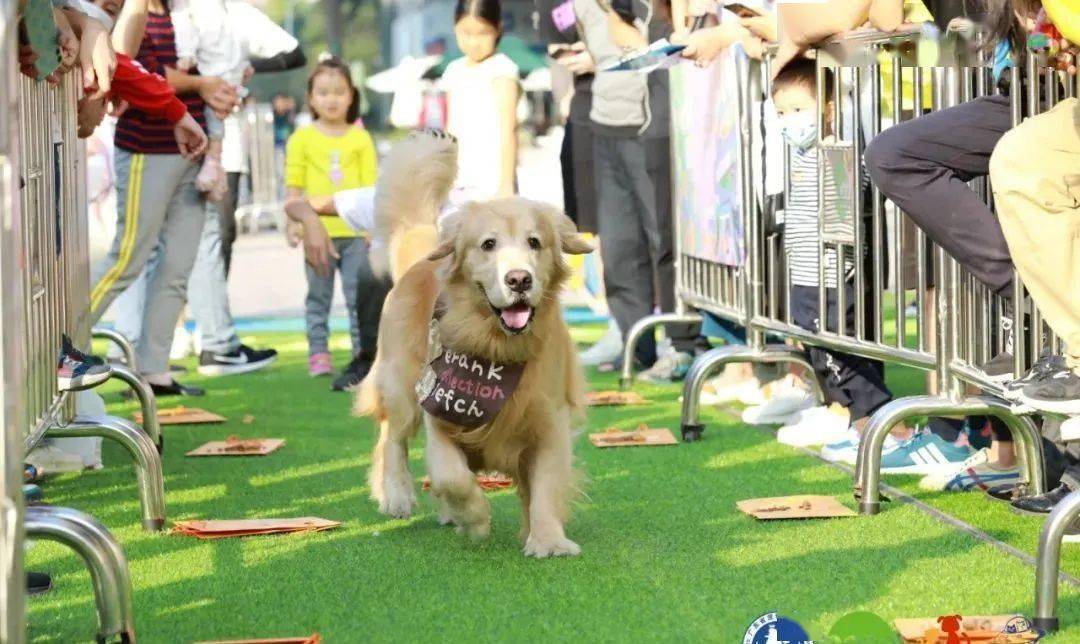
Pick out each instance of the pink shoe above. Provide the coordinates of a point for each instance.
(320, 364)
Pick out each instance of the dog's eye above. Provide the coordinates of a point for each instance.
(534, 243)
(488, 245)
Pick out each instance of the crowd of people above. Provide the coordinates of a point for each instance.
(172, 76)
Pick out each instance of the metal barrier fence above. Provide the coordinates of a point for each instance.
(44, 294)
(954, 314)
(267, 192)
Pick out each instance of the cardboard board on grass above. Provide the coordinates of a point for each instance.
(486, 481)
(614, 398)
(988, 629)
(221, 529)
(233, 446)
(312, 639)
(640, 437)
(183, 416)
(801, 506)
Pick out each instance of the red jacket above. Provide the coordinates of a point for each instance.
(144, 91)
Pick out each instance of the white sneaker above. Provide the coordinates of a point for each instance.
(783, 399)
(975, 472)
(719, 392)
(847, 450)
(606, 350)
(1070, 429)
(816, 426)
(50, 459)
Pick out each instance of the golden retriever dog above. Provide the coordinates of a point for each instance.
(472, 345)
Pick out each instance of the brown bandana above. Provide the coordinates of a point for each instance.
(467, 391)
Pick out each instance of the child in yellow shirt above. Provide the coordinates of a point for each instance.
(326, 157)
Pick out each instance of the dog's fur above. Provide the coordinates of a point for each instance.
(530, 439)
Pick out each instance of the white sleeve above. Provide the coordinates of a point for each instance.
(187, 36)
(261, 36)
(356, 208)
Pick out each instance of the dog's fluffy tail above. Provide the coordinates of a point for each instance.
(414, 183)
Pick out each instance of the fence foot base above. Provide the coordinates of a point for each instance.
(692, 433)
(869, 509)
(153, 525)
(625, 383)
(1048, 624)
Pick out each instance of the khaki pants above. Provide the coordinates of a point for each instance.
(1035, 171)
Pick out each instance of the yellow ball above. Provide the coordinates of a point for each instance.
(1065, 15)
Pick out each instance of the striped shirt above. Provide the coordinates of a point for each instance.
(801, 222)
(137, 131)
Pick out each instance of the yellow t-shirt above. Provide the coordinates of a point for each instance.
(321, 165)
(914, 12)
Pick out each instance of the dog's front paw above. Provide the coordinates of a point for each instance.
(559, 547)
(476, 531)
(397, 501)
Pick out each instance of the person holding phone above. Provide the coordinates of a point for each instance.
(753, 24)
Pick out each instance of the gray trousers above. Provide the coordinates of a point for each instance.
(633, 183)
(157, 206)
(208, 290)
(320, 295)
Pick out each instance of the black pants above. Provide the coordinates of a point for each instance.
(923, 166)
(633, 183)
(852, 381)
(227, 218)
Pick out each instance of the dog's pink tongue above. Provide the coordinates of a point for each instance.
(515, 317)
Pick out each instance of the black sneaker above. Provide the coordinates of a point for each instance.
(1046, 365)
(243, 360)
(1057, 393)
(38, 583)
(1000, 367)
(1043, 503)
(172, 389)
(76, 371)
(354, 374)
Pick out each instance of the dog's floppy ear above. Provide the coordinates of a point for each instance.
(570, 240)
(449, 226)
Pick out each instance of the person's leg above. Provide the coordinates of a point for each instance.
(353, 253)
(685, 338)
(369, 304)
(320, 296)
(923, 165)
(227, 219)
(1037, 192)
(208, 291)
(142, 179)
(167, 285)
(628, 275)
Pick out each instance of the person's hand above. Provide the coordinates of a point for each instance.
(705, 45)
(27, 58)
(117, 107)
(294, 233)
(319, 251)
(190, 138)
(97, 58)
(579, 63)
(91, 111)
(323, 205)
(68, 45)
(764, 27)
(219, 95)
(696, 8)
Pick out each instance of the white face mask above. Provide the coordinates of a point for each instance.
(799, 129)
(97, 13)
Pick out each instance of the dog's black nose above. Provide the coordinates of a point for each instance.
(519, 281)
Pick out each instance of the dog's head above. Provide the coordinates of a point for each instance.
(950, 623)
(508, 254)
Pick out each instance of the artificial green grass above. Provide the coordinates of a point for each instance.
(665, 554)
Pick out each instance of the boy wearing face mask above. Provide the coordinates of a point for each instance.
(855, 383)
